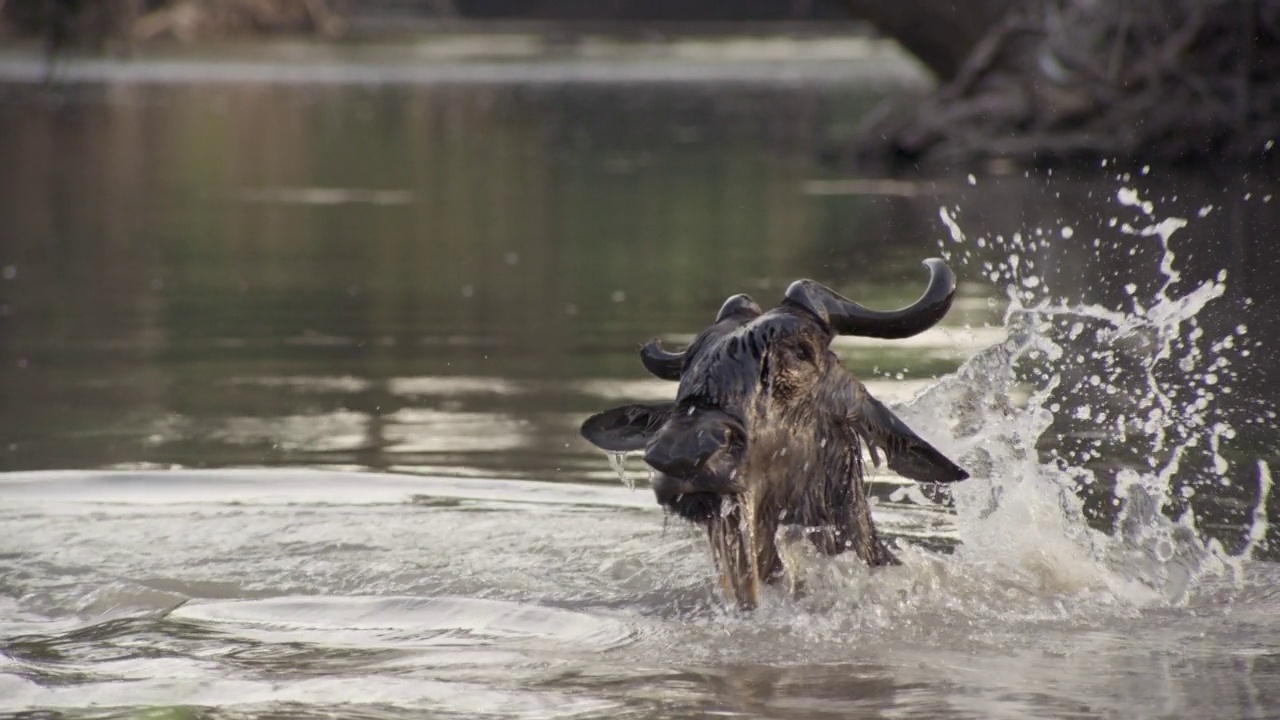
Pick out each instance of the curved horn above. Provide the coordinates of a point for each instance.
(660, 362)
(736, 304)
(667, 365)
(849, 318)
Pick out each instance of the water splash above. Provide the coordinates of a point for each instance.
(1090, 427)
(618, 461)
(1259, 524)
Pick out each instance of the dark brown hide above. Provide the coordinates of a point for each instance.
(768, 427)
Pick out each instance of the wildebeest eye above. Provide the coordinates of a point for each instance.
(802, 353)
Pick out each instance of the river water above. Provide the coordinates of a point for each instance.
(293, 354)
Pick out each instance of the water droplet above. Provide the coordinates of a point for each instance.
(617, 461)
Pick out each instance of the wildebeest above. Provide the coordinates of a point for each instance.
(767, 428)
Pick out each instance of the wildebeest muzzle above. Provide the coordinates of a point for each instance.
(696, 453)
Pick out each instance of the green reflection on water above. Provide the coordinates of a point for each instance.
(173, 241)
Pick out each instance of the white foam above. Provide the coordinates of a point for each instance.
(1020, 515)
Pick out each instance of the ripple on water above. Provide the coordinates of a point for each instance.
(451, 656)
(414, 621)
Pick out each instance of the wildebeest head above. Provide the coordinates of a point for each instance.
(767, 428)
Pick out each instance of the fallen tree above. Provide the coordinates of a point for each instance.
(1051, 80)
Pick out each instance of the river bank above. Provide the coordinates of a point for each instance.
(519, 52)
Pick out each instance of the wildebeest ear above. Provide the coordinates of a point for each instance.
(908, 455)
(626, 428)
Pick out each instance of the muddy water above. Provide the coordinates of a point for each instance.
(290, 375)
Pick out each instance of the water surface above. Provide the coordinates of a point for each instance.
(291, 374)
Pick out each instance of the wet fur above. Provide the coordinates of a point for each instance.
(803, 420)
(804, 463)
